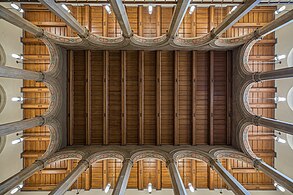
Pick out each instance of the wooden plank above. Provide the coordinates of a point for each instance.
(159, 97)
(159, 175)
(193, 173)
(210, 178)
(158, 21)
(141, 97)
(140, 15)
(211, 17)
(105, 174)
(263, 90)
(123, 97)
(194, 23)
(106, 98)
(105, 23)
(52, 171)
(194, 89)
(176, 99)
(34, 89)
(88, 96)
(229, 96)
(71, 96)
(49, 24)
(140, 175)
(34, 106)
(211, 99)
(88, 179)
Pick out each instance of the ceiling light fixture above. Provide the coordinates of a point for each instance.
(17, 99)
(16, 7)
(279, 57)
(150, 188)
(191, 10)
(279, 99)
(16, 189)
(281, 9)
(280, 140)
(107, 188)
(150, 9)
(108, 9)
(66, 8)
(17, 141)
(233, 9)
(17, 56)
(191, 188)
(279, 187)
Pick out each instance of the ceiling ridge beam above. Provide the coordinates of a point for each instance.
(66, 17)
(121, 15)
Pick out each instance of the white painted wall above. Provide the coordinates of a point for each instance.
(10, 161)
(284, 159)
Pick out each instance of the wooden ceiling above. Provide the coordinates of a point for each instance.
(185, 88)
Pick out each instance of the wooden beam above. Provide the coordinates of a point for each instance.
(34, 106)
(158, 20)
(123, 98)
(140, 175)
(263, 90)
(194, 23)
(49, 24)
(210, 178)
(105, 174)
(71, 96)
(229, 96)
(140, 15)
(141, 97)
(52, 171)
(211, 99)
(159, 97)
(87, 17)
(88, 96)
(194, 173)
(105, 23)
(159, 175)
(106, 98)
(194, 89)
(211, 17)
(176, 99)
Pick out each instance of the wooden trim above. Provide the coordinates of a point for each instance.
(88, 179)
(87, 15)
(49, 24)
(34, 106)
(141, 97)
(106, 98)
(194, 89)
(159, 97)
(140, 175)
(263, 90)
(34, 89)
(229, 96)
(211, 17)
(88, 96)
(140, 15)
(211, 99)
(176, 99)
(71, 96)
(194, 172)
(123, 98)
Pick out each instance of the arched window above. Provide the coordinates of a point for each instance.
(290, 58)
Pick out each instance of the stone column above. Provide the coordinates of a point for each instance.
(236, 187)
(14, 127)
(276, 175)
(273, 75)
(16, 179)
(16, 73)
(282, 126)
(121, 184)
(18, 21)
(63, 186)
(177, 184)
